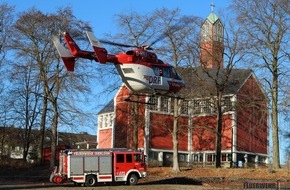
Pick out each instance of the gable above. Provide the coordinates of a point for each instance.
(252, 86)
(122, 94)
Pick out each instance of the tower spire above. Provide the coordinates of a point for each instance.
(212, 46)
(212, 6)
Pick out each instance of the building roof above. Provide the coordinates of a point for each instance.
(15, 137)
(202, 83)
(212, 17)
(108, 108)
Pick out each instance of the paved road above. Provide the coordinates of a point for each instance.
(48, 186)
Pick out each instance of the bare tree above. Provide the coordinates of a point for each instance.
(174, 34)
(266, 24)
(33, 33)
(25, 106)
(6, 20)
(137, 30)
(179, 34)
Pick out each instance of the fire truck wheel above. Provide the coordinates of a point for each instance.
(91, 180)
(133, 179)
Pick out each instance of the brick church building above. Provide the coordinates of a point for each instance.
(244, 108)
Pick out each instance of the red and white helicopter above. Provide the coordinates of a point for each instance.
(140, 70)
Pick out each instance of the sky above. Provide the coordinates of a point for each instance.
(100, 14)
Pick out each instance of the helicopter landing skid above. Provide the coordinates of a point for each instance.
(136, 101)
(128, 99)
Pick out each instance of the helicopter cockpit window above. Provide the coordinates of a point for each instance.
(166, 72)
(173, 73)
(162, 71)
(156, 71)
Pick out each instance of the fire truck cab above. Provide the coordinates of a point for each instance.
(91, 166)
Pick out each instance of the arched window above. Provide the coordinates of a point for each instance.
(218, 32)
(206, 31)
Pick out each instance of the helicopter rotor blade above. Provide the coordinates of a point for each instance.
(157, 40)
(116, 44)
(165, 34)
(126, 45)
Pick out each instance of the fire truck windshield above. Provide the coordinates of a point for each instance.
(138, 157)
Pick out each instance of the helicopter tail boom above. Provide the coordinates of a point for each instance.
(66, 56)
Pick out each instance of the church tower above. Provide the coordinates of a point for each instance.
(212, 42)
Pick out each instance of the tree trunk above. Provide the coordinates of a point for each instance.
(27, 142)
(219, 130)
(135, 124)
(26, 139)
(274, 117)
(42, 130)
(54, 135)
(175, 167)
(2, 144)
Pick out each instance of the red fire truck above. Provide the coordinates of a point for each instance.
(91, 166)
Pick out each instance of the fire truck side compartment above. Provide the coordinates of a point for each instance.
(105, 165)
(76, 165)
(91, 164)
